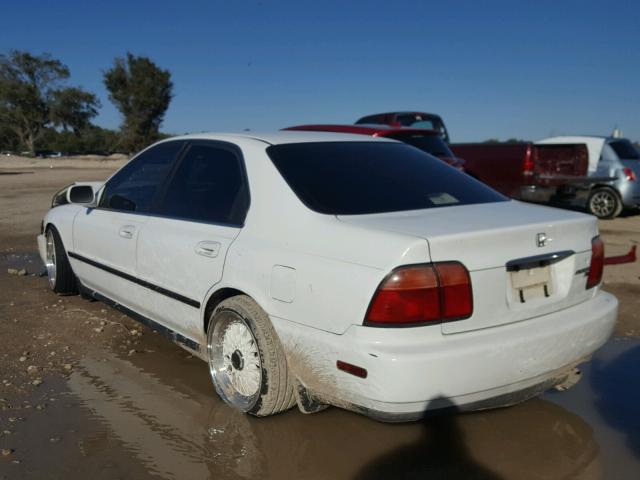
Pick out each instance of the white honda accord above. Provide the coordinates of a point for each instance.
(328, 269)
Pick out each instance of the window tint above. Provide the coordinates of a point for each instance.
(351, 178)
(134, 187)
(427, 143)
(625, 149)
(208, 186)
(375, 119)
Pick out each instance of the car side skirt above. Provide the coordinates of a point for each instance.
(172, 335)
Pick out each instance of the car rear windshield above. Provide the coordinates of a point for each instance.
(427, 143)
(625, 150)
(354, 178)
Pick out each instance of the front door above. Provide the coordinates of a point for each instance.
(105, 237)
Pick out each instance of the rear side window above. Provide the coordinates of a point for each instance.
(134, 187)
(427, 143)
(208, 186)
(352, 178)
(625, 150)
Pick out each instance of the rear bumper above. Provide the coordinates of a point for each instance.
(630, 194)
(414, 370)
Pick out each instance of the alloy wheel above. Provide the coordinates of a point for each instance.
(234, 360)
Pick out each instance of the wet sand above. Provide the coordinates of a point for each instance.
(112, 399)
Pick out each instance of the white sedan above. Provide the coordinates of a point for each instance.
(329, 269)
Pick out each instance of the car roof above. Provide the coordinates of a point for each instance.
(402, 112)
(280, 137)
(363, 129)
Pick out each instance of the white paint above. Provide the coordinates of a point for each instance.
(315, 276)
(283, 283)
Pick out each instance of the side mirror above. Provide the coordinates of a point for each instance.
(81, 194)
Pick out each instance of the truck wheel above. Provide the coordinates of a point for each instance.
(246, 361)
(604, 202)
(61, 278)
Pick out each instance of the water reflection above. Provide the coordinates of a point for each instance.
(163, 410)
(614, 380)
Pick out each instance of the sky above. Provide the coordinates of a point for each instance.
(524, 69)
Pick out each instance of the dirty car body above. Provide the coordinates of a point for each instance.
(392, 281)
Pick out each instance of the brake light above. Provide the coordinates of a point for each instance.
(629, 174)
(597, 262)
(422, 293)
(528, 165)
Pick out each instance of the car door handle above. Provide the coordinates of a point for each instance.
(127, 231)
(208, 249)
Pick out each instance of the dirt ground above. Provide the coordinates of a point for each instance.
(85, 392)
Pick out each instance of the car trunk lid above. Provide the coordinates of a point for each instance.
(499, 243)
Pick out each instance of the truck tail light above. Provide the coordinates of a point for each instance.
(597, 262)
(422, 294)
(629, 174)
(528, 165)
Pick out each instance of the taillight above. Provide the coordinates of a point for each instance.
(629, 174)
(422, 293)
(597, 262)
(528, 164)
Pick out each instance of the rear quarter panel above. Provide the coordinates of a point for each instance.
(306, 267)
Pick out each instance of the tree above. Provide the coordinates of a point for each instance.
(33, 97)
(73, 109)
(142, 92)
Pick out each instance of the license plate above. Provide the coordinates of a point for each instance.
(531, 283)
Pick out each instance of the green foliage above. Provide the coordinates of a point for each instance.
(92, 139)
(142, 92)
(33, 98)
(73, 109)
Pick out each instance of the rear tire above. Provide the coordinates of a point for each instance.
(247, 363)
(604, 203)
(61, 278)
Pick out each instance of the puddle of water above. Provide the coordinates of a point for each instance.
(163, 411)
(608, 398)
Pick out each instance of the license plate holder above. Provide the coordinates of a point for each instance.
(530, 283)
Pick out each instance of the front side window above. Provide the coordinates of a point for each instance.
(134, 187)
(353, 178)
(208, 186)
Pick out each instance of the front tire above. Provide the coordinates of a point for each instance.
(61, 278)
(604, 203)
(246, 361)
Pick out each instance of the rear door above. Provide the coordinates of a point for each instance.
(183, 245)
(105, 238)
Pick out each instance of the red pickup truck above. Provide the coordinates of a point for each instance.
(525, 170)
(429, 141)
(423, 120)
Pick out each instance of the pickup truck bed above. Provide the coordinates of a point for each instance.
(525, 170)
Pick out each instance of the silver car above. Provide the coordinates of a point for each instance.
(614, 166)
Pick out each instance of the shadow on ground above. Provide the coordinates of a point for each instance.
(439, 453)
(616, 386)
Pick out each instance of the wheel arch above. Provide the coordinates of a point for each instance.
(598, 186)
(215, 298)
